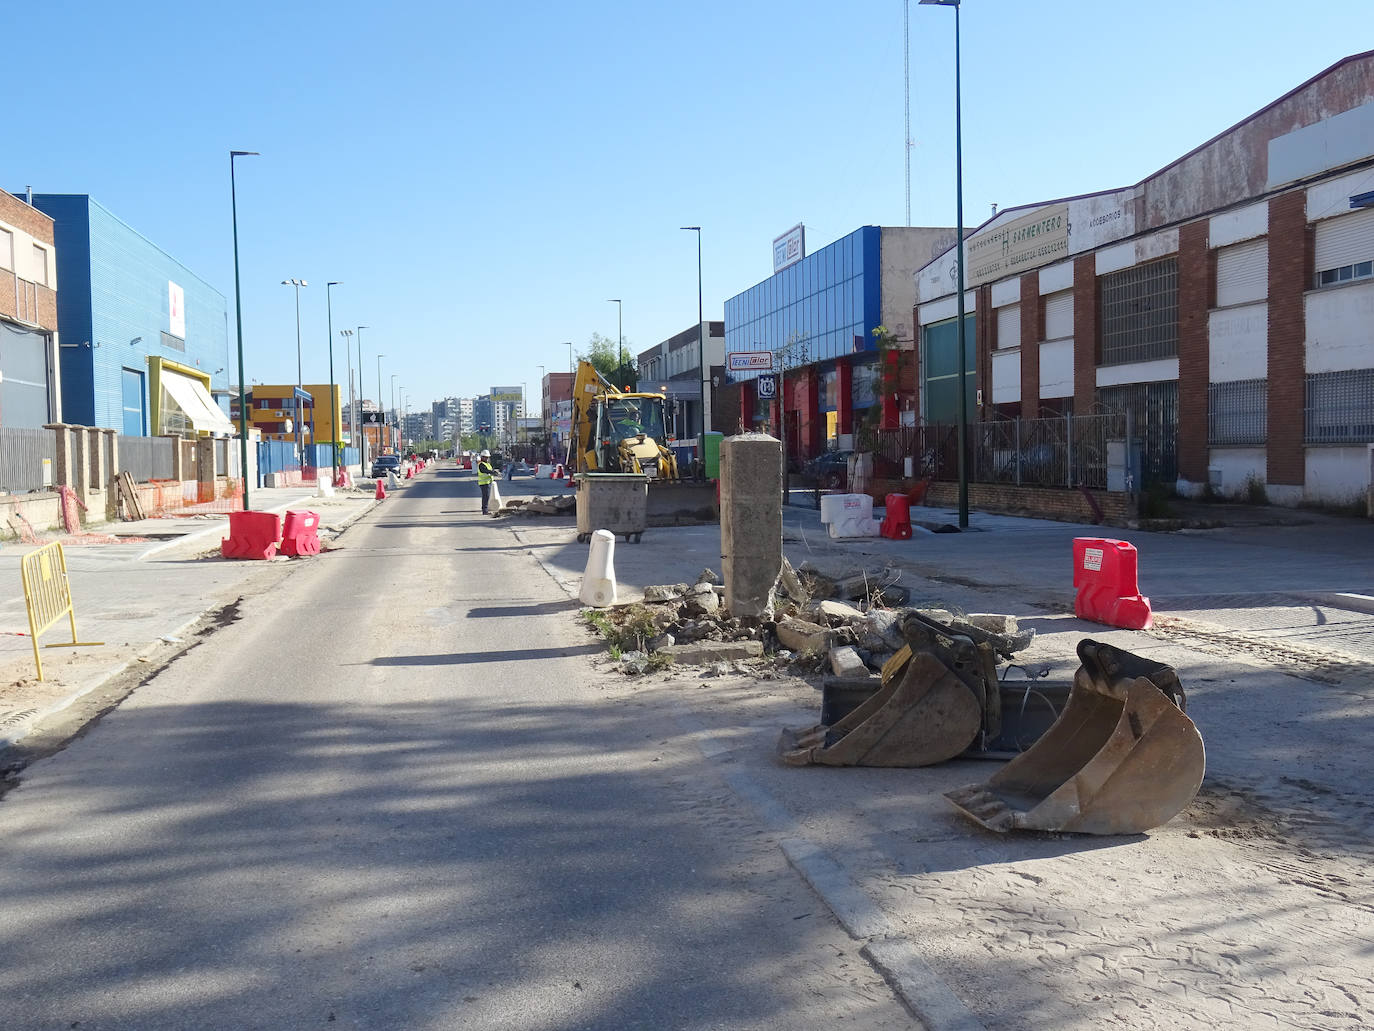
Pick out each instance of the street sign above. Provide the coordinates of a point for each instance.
(749, 361)
(373, 418)
(768, 387)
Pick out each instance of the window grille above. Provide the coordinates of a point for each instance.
(175, 343)
(1340, 407)
(1237, 413)
(1153, 409)
(1139, 308)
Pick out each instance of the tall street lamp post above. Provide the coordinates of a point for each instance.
(333, 423)
(362, 433)
(300, 385)
(959, 266)
(381, 408)
(238, 323)
(620, 332)
(568, 344)
(394, 377)
(702, 372)
(347, 335)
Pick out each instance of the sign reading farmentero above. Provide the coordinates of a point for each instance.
(1029, 242)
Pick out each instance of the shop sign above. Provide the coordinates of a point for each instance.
(1018, 246)
(749, 361)
(767, 387)
(789, 248)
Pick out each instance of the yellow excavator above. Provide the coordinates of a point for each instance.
(618, 431)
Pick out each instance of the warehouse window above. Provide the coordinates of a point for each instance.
(1140, 313)
(175, 343)
(1009, 326)
(1344, 248)
(1340, 407)
(1346, 273)
(40, 265)
(6, 249)
(1238, 412)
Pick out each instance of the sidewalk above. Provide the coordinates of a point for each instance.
(145, 596)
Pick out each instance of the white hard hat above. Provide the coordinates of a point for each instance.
(486, 454)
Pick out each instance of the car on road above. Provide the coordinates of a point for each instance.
(383, 464)
(830, 469)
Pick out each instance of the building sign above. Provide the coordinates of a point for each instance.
(767, 387)
(502, 395)
(176, 310)
(749, 361)
(373, 418)
(1026, 243)
(789, 248)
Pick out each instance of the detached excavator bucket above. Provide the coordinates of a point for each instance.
(1122, 757)
(922, 714)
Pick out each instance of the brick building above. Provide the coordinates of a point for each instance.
(30, 388)
(1226, 302)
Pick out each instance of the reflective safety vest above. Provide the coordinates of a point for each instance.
(485, 473)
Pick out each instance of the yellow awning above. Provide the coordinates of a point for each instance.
(188, 406)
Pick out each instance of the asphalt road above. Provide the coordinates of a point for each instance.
(392, 795)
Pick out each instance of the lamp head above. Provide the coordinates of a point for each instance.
(243, 154)
(691, 228)
(335, 282)
(941, 3)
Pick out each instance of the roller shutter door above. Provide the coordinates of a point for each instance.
(1059, 315)
(1243, 273)
(1347, 240)
(1009, 326)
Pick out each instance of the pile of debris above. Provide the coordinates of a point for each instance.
(556, 505)
(848, 625)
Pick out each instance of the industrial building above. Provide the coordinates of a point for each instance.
(674, 368)
(813, 322)
(30, 391)
(144, 339)
(1225, 302)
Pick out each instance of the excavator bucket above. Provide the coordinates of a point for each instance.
(923, 713)
(1121, 758)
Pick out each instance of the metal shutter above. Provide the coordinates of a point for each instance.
(1243, 273)
(1009, 326)
(1059, 315)
(1345, 240)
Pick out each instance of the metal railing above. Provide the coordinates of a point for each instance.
(22, 454)
(146, 458)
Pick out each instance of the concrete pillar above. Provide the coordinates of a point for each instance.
(174, 442)
(80, 464)
(750, 522)
(205, 469)
(97, 475)
(62, 466)
(110, 449)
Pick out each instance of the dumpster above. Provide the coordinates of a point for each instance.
(611, 501)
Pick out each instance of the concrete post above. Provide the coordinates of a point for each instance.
(62, 466)
(174, 442)
(205, 469)
(110, 450)
(750, 522)
(97, 475)
(80, 464)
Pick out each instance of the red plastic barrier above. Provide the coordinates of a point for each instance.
(300, 534)
(897, 518)
(251, 535)
(1104, 573)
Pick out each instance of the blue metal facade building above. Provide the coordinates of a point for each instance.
(114, 311)
(824, 307)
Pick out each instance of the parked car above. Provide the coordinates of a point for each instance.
(830, 469)
(383, 464)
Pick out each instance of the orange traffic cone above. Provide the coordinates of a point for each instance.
(410, 472)
(381, 491)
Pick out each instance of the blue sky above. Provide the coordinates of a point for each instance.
(482, 177)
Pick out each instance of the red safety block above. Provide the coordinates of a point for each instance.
(1104, 574)
(251, 535)
(897, 518)
(300, 535)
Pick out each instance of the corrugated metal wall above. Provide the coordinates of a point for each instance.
(22, 452)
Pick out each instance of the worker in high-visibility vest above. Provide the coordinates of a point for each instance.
(485, 474)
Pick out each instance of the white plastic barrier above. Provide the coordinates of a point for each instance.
(325, 489)
(392, 480)
(849, 515)
(544, 472)
(598, 581)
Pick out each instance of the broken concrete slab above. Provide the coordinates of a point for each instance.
(846, 662)
(664, 592)
(993, 622)
(702, 653)
(831, 611)
(802, 636)
(708, 576)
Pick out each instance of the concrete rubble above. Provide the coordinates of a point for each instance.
(819, 623)
(555, 505)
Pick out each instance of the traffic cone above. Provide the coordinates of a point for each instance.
(381, 491)
(410, 472)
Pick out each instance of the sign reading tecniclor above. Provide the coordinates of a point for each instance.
(749, 361)
(789, 248)
(1026, 243)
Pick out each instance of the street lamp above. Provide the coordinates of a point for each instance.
(702, 373)
(380, 407)
(238, 324)
(362, 433)
(300, 383)
(959, 266)
(541, 398)
(394, 377)
(347, 335)
(569, 345)
(333, 425)
(620, 329)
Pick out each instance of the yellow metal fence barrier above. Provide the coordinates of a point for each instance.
(48, 597)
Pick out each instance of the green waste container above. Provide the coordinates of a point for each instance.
(711, 451)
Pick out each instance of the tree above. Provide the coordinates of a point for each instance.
(604, 354)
